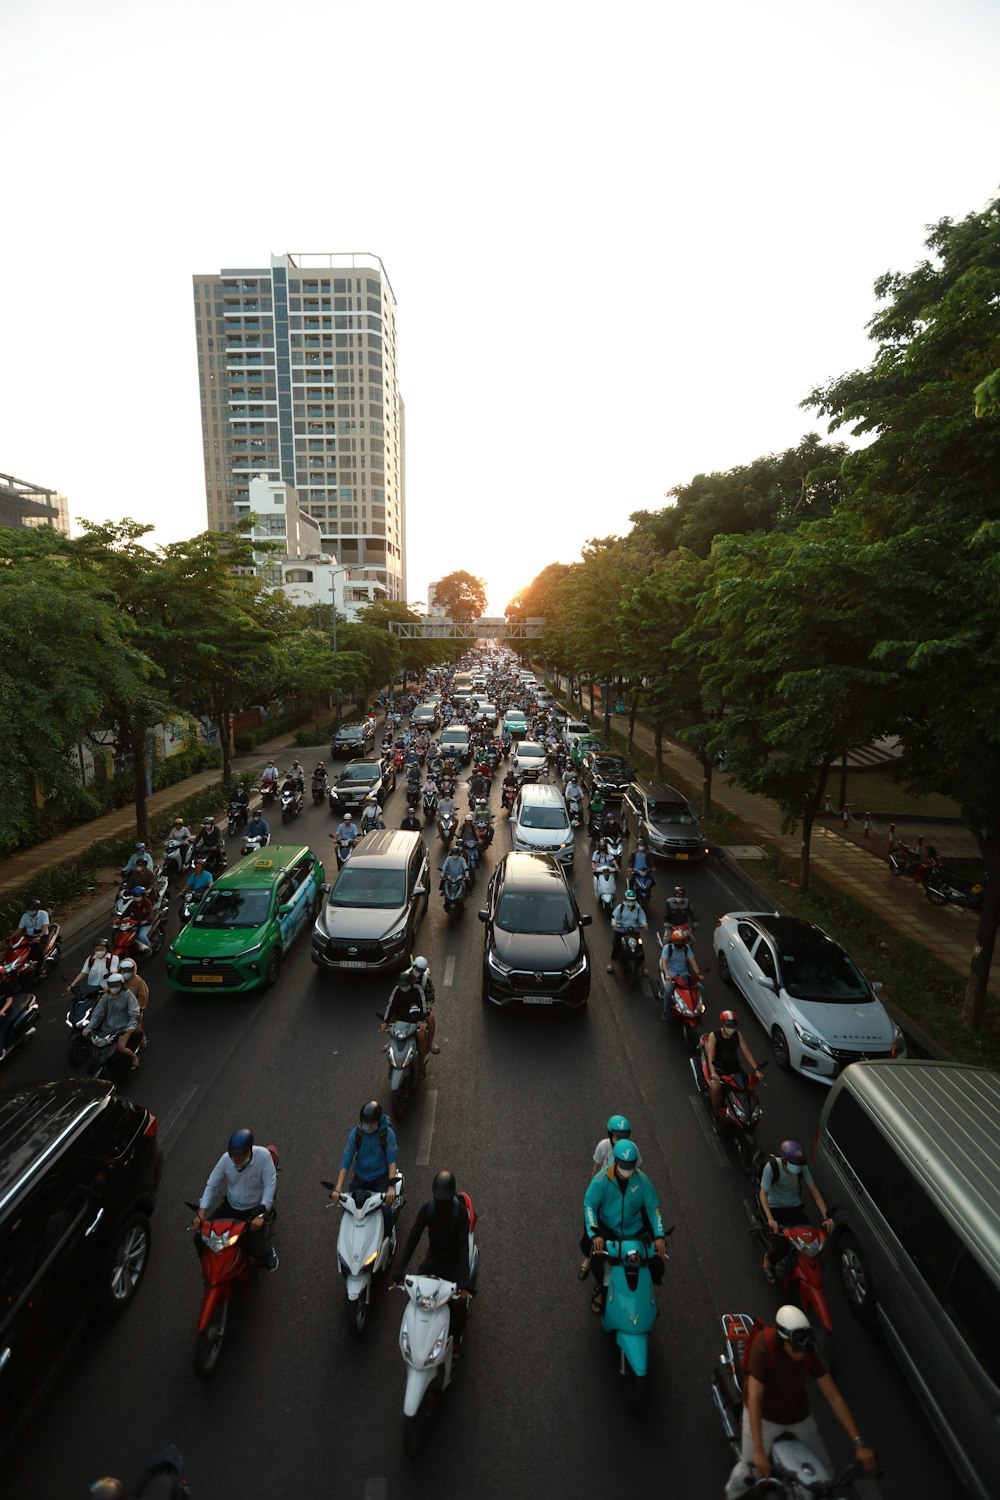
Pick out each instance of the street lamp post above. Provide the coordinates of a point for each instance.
(333, 590)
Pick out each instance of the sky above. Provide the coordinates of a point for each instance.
(625, 241)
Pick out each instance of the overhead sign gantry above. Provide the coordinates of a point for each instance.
(487, 628)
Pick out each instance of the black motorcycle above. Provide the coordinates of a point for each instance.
(291, 803)
(82, 1001)
(17, 1018)
(237, 816)
(320, 788)
(943, 888)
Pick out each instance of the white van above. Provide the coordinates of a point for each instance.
(539, 823)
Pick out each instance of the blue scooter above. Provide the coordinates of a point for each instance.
(630, 1310)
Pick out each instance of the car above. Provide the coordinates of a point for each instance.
(487, 714)
(425, 716)
(540, 823)
(584, 746)
(530, 761)
(809, 995)
(376, 904)
(353, 739)
(515, 721)
(544, 699)
(360, 779)
(609, 774)
(80, 1170)
(572, 730)
(246, 921)
(535, 951)
(456, 742)
(667, 821)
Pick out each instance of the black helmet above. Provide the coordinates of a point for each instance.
(240, 1141)
(108, 1489)
(406, 978)
(370, 1113)
(444, 1187)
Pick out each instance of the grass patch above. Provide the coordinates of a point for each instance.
(877, 792)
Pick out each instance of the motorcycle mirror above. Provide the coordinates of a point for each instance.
(328, 1185)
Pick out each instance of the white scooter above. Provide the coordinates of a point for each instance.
(363, 1247)
(605, 883)
(428, 1347)
(404, 1064)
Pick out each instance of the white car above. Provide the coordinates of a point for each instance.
(573, 730)
(530, 760)
(808, 994)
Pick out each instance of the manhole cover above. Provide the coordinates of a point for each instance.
(744, 851)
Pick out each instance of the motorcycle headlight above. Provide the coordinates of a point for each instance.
(810, 1039)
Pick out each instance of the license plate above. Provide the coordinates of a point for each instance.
(539, 999)
(680, 856)
(351, 963)
(206, 978)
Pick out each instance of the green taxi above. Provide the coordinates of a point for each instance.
(247, 920)
(584, 745)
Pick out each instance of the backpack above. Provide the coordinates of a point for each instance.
(454, 1208)
(383, 1129)
(770, 1339)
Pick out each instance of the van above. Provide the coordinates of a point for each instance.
(907, 1157)
(539, 823)
(375, 905)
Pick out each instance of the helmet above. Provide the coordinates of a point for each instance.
(240, 1142)
(240, 787)
(138, 890)
(34, 904)
(792, 1324)
(443, 1189)
(116, 980)
(178, 822)
(347, 817)
(618, 1125)
(791, 1151)
(140, 848)
(370, 1113)
(108, 1489)
(370, 797)
(420, 967)
(626, 1154)
(679, 891)
(406, 978)
(728, 1020)
(468, 817)
(102, 942)
(630, 895)
(208, 822)
(678, 935)
(127, 967)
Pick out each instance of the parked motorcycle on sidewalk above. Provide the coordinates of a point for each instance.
(740, 1113)
(363, 1247)
(942, 889)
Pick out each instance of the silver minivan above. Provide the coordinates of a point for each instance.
(539, 823)
(907, 1157)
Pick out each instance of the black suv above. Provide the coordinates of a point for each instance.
(535, 951)
(609, 774)
(79, 1173)
(667, 821)
(357, 780)
(353, 739)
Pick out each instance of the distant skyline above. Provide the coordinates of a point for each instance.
(624, 245)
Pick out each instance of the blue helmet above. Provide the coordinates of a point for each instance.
(240, 1141)
(626, 1153)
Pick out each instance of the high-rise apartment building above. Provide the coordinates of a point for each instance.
(297, 367)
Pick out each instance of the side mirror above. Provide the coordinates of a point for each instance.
(585, 919)
(284, 908)
(324, 889)
(766, 981)
(877, 986)
(420, 890)
(483, 916)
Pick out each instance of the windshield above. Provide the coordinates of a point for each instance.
(229, 907)
(515, 719)
(614, 768)
(671, 812)
(822, 972)
(355, 732)
(535, 914)
(357, 886)
(531, 751)
(361, 773)
(543, 817)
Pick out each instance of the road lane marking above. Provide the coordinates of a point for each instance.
(427, 1130)
(376, 1489)
(714, 1144)
(175, 1111)
(449, 969)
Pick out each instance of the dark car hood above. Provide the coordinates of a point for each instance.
(536, 951)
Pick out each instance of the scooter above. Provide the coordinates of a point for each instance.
(189, 904)
(253, 842)
(430, 804)
(473, 849)
(795, 1468)
(413, 794)
(630, 1310)
(83, 998)
(123, 933)
(176, 857)
(225, 1270)
(455, 894)
(687, 1007)
(507, 798)
(800, 1266)
(605, 886)
(164, 1479)
(320, 788)
(105, 1059)
(344, 847)
(632, 956)
(941, 888)
(404, 1064)
(237, 816)
(446, 828)
(615, 838)
(740, 1113)
(642, 884)
(427, 1346)
(574, 807)
(17, 1017)
(19, 967)
(291, 804)
(268, 793)
(363, 1247)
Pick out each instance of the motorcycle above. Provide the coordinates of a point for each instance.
(291, 803)
(446, 828)
(176, 857)
(215, 857)
(413, 794)
(17, 1017)
(632, 956)
(796, 1472)
(237, 816)
(615, 837)
(225, 1270)
(630, 1310)
(20, 967)
(484, 832)
(189, 903)
(83, 998)
(252, 842)
(799, 1267)
(404, 1064)
(642, 884)
(427, 1345)
(157, 891)
(455, 894)
(123, 933)
(597, 822)
(363, 1247)
(605, 884)
(941, 888)
(320, 788)
(507, 799)
(268, 793)
(105, 1060)
(687, 1006)
(164, 1479)
(471, 847)
(574, 807)
(344, 847)
(430, 804)
(399, 757)
(740, 1112)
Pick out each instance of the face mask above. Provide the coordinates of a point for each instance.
(624, 1172)
(728, 1031)
(370, 1129)
(793, 1167)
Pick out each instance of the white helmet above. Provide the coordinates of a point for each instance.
(792, 1324)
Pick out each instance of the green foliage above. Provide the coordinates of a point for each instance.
(271, 728)
(461, 595)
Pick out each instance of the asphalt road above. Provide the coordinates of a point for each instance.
(514, 1105)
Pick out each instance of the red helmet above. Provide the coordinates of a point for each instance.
(728, 1020)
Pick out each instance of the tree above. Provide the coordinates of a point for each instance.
(927, 488)
(377, 650)
(308, 667)
(462, 596)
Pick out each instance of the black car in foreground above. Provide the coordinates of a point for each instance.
(353, 739)
(79, 1173)
(535, 951)
(357, 780)
(611, 775)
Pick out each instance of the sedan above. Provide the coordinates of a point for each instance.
(609, 774)
(358, 779)
(820, 1010)
(353, 739)
(425, 716)
(535, 952)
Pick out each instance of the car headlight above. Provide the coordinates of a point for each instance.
(577, 967)
(810, 1039)
(247, 952)
(898, 1042)
(497, 963)
(396, 934)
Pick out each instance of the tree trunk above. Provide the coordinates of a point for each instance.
(224, 724)
(590, 689)
(137, 745)
(707, 765)
(809, 812)
(977, 984)
(658, 750)
(631, 720)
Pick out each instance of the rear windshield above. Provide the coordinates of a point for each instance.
(578, 728)
(543, 817)
(357, 886)
(222, 907)
(822, 972)
(535, 913)
(671, 812)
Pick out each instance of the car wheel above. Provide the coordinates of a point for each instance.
(724, 973)
(780, 1044)
(126, 1265)
(273, 965)
(856, 1278)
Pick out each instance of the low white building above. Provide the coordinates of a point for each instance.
(302, 570)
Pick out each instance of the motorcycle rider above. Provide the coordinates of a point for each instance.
(346, 834)
(446, 1220)
(596, 808)
(628, 916)
(248, 1174)
(319, 771)
(454, 868)
(34, 924)
(140, 854)
(602, 856)
(411, 822)
(408, 1002)
(297, 774)
(478, 787)
(621, 1204)
(141, 912)
(140, 875)
(96, 967)
(182, 833)
(257, 827)
(138, 987)
(371, 1147)
(780, 1198)
(482, 820)
(242, 800)
(270, 776)
(679, 911)
(775, 1400)
(619, 1129)
(677, 961)
(508, 789)
(371, 815)
(292, 784)
(209, 843)
(574, 797)
(117, 1014)
(639, 858)
(726, 1050)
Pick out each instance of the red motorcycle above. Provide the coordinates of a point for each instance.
(740, 1112)
(20, 968)
(799, 1267)
(509, 793)
(123, 931)
(687, 1009)
(226, 1272)
(399, 757)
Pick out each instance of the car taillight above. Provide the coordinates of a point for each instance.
(718, 921)
(152, 1125)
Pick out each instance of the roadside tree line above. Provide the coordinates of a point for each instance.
(820, 598)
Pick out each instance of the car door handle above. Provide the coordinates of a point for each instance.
(4, 1358)
(89, 1231)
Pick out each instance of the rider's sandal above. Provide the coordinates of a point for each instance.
(769, 1275)
(584, 1271)
(597, 1301)
(435, 1047)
